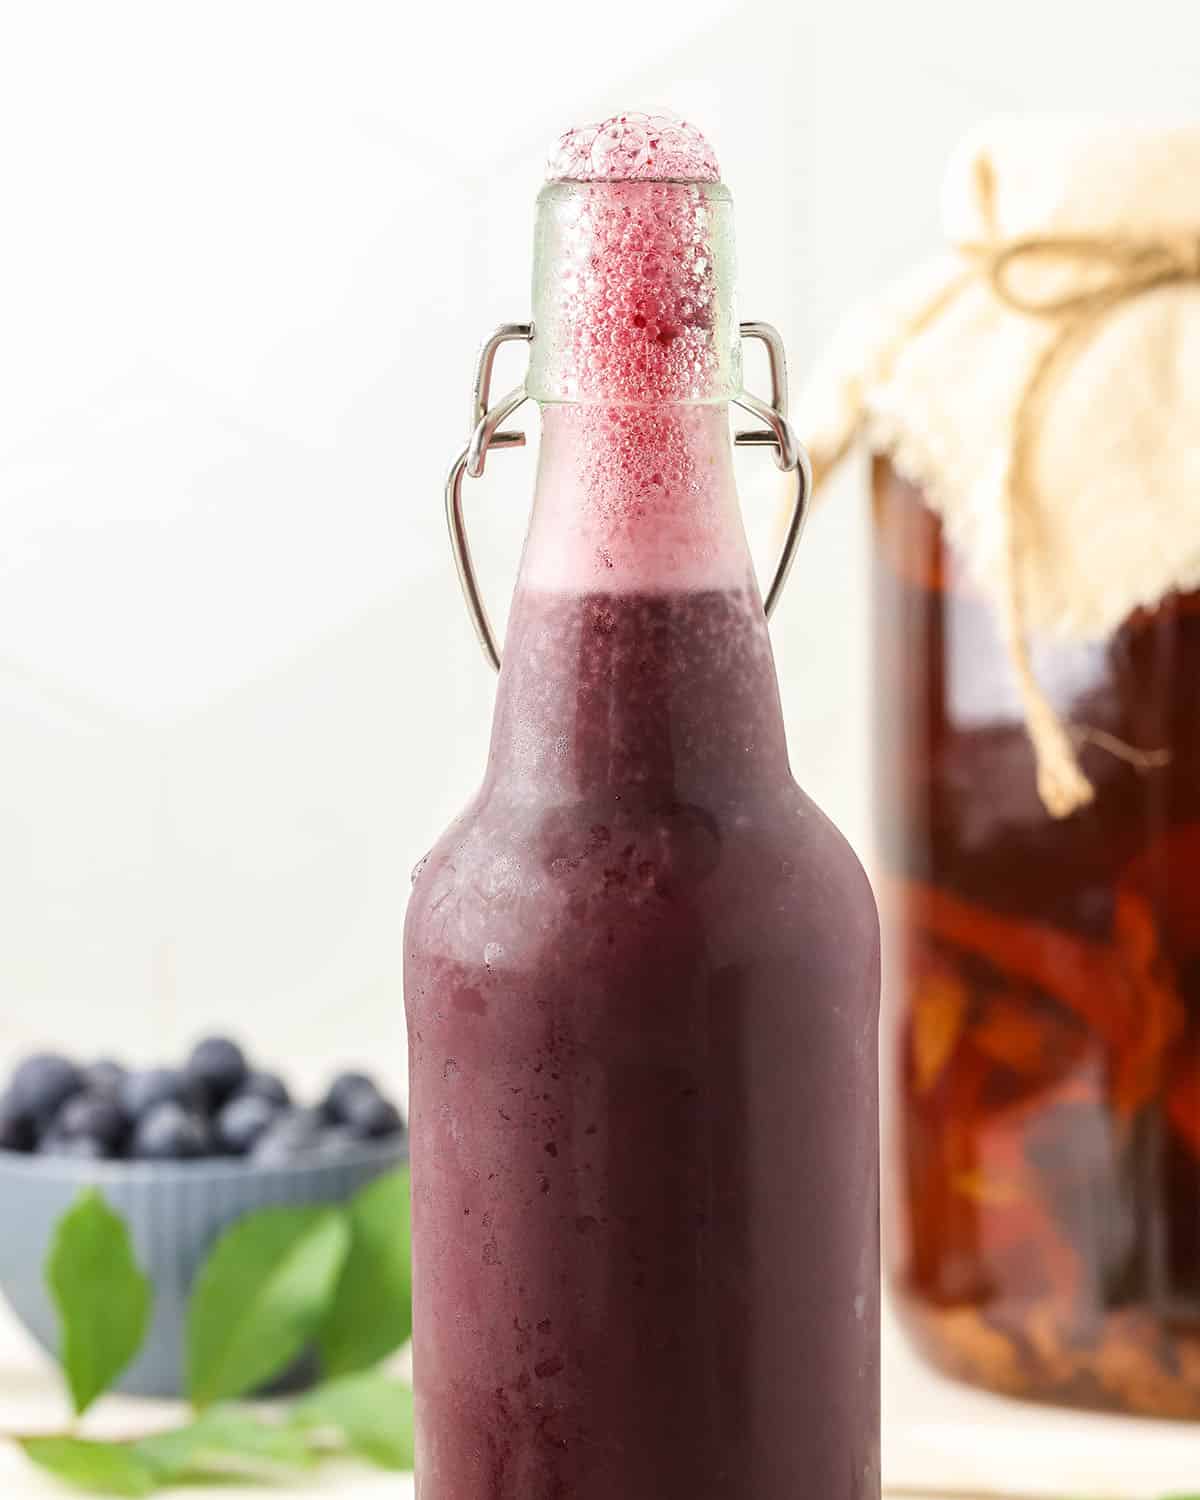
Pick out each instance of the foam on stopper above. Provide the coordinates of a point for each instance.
(633, 276)
(633, 147)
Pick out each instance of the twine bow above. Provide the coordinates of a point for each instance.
(1116, 267)
(1102, 272)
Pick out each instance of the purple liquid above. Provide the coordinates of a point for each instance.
(642, 976)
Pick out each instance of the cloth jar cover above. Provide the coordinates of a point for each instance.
(1040, 380)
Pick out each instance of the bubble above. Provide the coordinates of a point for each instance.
(572, 154)
(632, 145)
(619, 151)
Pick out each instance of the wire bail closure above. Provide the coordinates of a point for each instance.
(487, 422)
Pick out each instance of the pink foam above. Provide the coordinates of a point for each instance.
(632, 310)
(634, 147)
(635, 499)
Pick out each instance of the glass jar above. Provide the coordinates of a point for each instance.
(1043, 989)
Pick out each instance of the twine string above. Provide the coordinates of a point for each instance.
(1101, 274)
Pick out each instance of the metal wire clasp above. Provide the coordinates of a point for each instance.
(486, 433)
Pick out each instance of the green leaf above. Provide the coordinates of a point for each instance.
(372, 1414)
(102, 1468)
(103, 1299)
(260, 1297)
(225, 1440)
(371, 1313)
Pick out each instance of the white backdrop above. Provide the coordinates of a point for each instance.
(248, 250)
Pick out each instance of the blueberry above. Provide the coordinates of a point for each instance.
(296, 1133)
(219, 1068)
(42, 1085)
(242, 1123)
(16, 1127)
(268, 1086)
(343, 1088)
(168, 1132)
(95, 1117)
(370, 1116)
(105, 1077)
(144, 1091)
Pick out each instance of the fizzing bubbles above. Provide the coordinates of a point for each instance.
(633, 147)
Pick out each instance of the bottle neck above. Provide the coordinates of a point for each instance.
(637, 660)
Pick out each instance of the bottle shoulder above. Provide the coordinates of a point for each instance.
(764, 866)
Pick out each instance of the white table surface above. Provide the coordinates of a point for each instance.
(940, 1440)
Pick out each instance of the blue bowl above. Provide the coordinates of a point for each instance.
(175, 1212)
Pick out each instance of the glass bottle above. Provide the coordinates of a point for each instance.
(642, 967)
